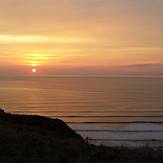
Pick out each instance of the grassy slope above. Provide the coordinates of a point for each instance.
(32, 139)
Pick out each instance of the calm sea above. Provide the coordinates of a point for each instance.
(111, 111)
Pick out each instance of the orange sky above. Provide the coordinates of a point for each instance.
(77, 37)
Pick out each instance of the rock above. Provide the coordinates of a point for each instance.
(1, 111)
(41, 125)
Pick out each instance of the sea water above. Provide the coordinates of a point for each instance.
(107, 110)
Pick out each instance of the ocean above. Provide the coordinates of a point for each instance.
(111, 111)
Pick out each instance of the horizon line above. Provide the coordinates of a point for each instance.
(84, 76)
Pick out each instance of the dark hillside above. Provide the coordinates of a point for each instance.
(35, 139)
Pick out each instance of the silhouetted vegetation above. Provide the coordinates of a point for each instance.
(36, 139)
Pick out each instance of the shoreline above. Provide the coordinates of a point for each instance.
(25, 138)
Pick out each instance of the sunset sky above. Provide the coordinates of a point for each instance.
(78, 37)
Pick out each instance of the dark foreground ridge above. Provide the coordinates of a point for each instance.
(36, 139)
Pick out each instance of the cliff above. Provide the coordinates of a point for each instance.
(38, 125)
(36, 139)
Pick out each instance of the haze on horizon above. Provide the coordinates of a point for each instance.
(81, 37)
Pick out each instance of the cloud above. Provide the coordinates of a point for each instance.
(145, 65)
(39, 39)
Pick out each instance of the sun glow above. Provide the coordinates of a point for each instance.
(34, 70)
(36, 59)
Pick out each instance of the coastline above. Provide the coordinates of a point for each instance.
(25, 138)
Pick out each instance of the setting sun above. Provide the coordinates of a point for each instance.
(34, 70)
(81, 81)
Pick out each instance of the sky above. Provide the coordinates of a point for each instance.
(81, 37)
